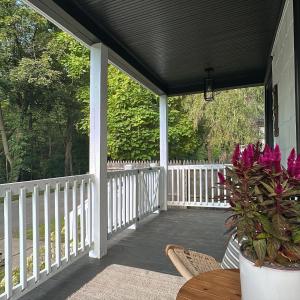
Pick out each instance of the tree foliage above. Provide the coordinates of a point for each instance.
(234, 117)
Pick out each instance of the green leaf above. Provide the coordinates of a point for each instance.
(296, 236)
(292, 251)
(257, 190)
(268, 202)
(269, 188)
(267, 225)
(272, 248)
(260, 247)
(280, 227)
(262, 235)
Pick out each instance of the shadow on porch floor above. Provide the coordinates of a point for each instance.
(199, 229)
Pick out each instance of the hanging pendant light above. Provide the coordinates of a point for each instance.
(208, 86)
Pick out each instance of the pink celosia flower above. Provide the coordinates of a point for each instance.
(291, 162)
(248, 157)
(221, 178)
(297, 168)
(271, 159)
(293, 165)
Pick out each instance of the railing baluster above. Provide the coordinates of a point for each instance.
(75, 237)
(137, 206)
(144, 199)
(67, 221)
(124, 199)
(200, 187)
(152, 190)
(219, 194)
(212, 186)
(189, 185)
(178, 186)
(120, 201)
(57, 226)
(148, 192)
(172, 185)
(128, 198)
(8, 243)
(47, 230)
(90, 212)
(225, 191)
(22, 237)
(115, 203)
(82, 216)
(142, 194)
(195, 184)
(183, 187)
(35, 235)
(111, 211)
(206, 186)
(132, 195)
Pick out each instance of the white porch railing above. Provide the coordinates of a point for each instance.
(132, 195)
(195, 185)
(57, 213)
(45, 206)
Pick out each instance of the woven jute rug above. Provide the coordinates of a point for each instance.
(122, 282)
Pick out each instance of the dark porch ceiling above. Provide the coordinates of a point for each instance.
(171, 42)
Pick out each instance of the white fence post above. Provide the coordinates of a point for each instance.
(98, 144)
(163, 117)
(8, 243)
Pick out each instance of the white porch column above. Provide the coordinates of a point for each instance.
(98, 145)
(163, 117)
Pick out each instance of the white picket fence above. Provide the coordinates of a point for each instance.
(58, 196)
(196, 185)
(139, 164)
(132, 195)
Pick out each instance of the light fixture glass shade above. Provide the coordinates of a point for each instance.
(208, 89)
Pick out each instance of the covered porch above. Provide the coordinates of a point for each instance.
(167, 47)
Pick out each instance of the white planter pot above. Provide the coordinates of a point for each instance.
(264, 283)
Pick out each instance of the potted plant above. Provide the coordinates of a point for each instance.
(264, 200)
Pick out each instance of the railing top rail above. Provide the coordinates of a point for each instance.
(15, 186)
(131, 172)
(203, 166)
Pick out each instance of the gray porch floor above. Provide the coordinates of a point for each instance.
(199, 229)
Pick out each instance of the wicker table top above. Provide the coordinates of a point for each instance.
(214, 285)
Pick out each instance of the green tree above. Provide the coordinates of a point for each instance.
(72, 60)
(133, 122)
(233, 117)
(26, 81)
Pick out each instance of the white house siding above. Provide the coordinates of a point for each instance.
(283, 72)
